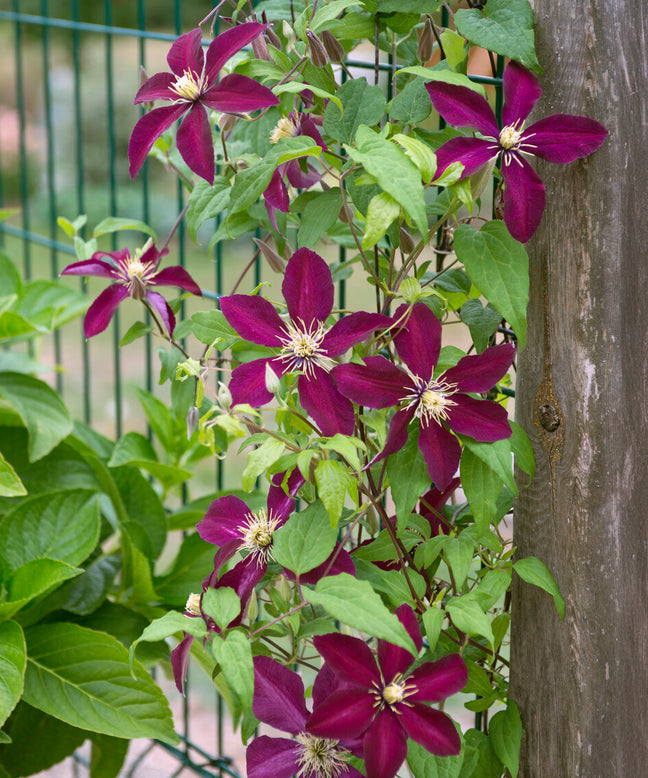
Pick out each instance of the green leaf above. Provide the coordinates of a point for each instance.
(10, 484)
(408, 477)
(84, 678)
(432, 622)
(33, 579)
(522, 449)
(260, 460)
(497, 456)
(505, 730)
(116, 224)
(234, 655)
(363, 104)
(137, 330)
(329, 12)
(395, 173)
(423, 764)
(320, 214)
(50, 304)
(482, 321)
(249, 184)
(14, 327)
(505, 27)
(356, 604)
(470, 618)
(41, 410)
(107, 756)
(12, 667)
(167, 625)
(222, 604)
(482, 487)
(63, 526)
(447, 76)
(147, 522)
(135, 449)
(420, 154)
(499, 267)
(205, 202)
(11, 281)
(333, 481)
(535, 572)
(192, 563)
(459, 555)
(382, 211)
(306, 540)
(212, 327)
(455, 49)
(412, 105)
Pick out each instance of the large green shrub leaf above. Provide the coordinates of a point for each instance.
(12, 667)
(84, 678)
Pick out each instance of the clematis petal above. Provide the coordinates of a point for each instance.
(298, 177)
(463, 107)
(352, 329)
(163, 310)
(225, 45)
(480, 372)
(331, 411)
(238, 94)
(385, 745)
(180, 661)
(419, 342)
(338, 562)
(431, 729)
(248, 382)
(278, 696)
(224, 553)
(156, 88)
(147, 130)
(175, 276)
(254, 318)
(103, 309)
(350, 657)
(473, 153)
(441, 452)
(223, 520)
(186, 53)
(153, 256)
(394, 660)
(308, 287)
(276, 193)
(483, 420)
(281, 504)
(91, 267)
(272, 757)
(195, 144)
(563, 138)
(397, 433)
(435, 681)
(345, 714)
(377, 384)
(521, 92)
(524, 197)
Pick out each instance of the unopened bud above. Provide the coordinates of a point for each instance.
(224, 396)
(272, 38)
(346, 214)
(406, 242)
(373, 525)
(226, 122)
(333, 47)
(271, 256)
(192, 420)
(318, 54)
(253, 607)
(260, 48)
(272, 380)
(288, 32)
(143, 79)
(425, 41)
(285, 589)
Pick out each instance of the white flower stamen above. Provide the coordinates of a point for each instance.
(137, 275)
(193, 605)
(188, 86)
(321, 757)
(285, 128)
(393, 693)
(302, 348)
(432, 400)
(256, 532)
(509, 137)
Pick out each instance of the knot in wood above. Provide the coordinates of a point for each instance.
(549, 417)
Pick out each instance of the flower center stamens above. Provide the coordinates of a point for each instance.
(321, 757)
(137, 273)
(193, 605)
(188, 86)
(302, 348)
(285, 128)
(393, 693)
(432, 400)
(257, 533)
(509, 137)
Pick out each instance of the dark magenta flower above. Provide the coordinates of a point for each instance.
(437, 403)
(558, 138)
(133, 277)
(279, 702)
(385, 702)
(276, 194)
(192, 87)
(431, 506)
(305, 343)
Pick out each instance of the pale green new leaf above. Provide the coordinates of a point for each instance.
(12, 667)
(260, 460)
(420, 154)
(169, 624)
(333, 481)
(535, 572)
(222, 604)
(497, 456)
(116, 224)
(447, 76)
(470, 618)
(10, 484)
(382, 211)
(482, 486)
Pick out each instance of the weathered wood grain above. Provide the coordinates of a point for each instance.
(582, 685)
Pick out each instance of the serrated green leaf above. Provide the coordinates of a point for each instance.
(205, 202)
(470, 618)
(84, 678)
(382, 211)
(522, 450)
(535, 572)
(306, 540)
(116, 224)
(260, 460)
(499, 267)
(423, 764)
(107, 756)
(504, 26)
(248, 185)
(33, 579)
(355, 603)
(135, 449)
(222, 604)
(10, 484)
(329, 12)
(320, 214)
(12, 667)
(363, 104)
(41, 410)
(412, 105)
(505, 730)
(14, 327)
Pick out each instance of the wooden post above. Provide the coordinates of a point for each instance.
(582, 396)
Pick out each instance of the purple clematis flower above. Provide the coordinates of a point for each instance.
(306, 345)
(435, 402)
(431, 507)
(558, 138)
(384, 702)
(192, 87)
(276, 194)
(133, 277)
(279, 701)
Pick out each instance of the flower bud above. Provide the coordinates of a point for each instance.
(271, 256)
(425, 41)
(260, 48)
(226, 122)
(333, 47)
(406, 241)
(288, 32)
(148, 105)
(285, 589)
(272, 38)
(318, 54)
(224, 396)
(253, 607)
(272, 380)
(346, 214)
(192, 420)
